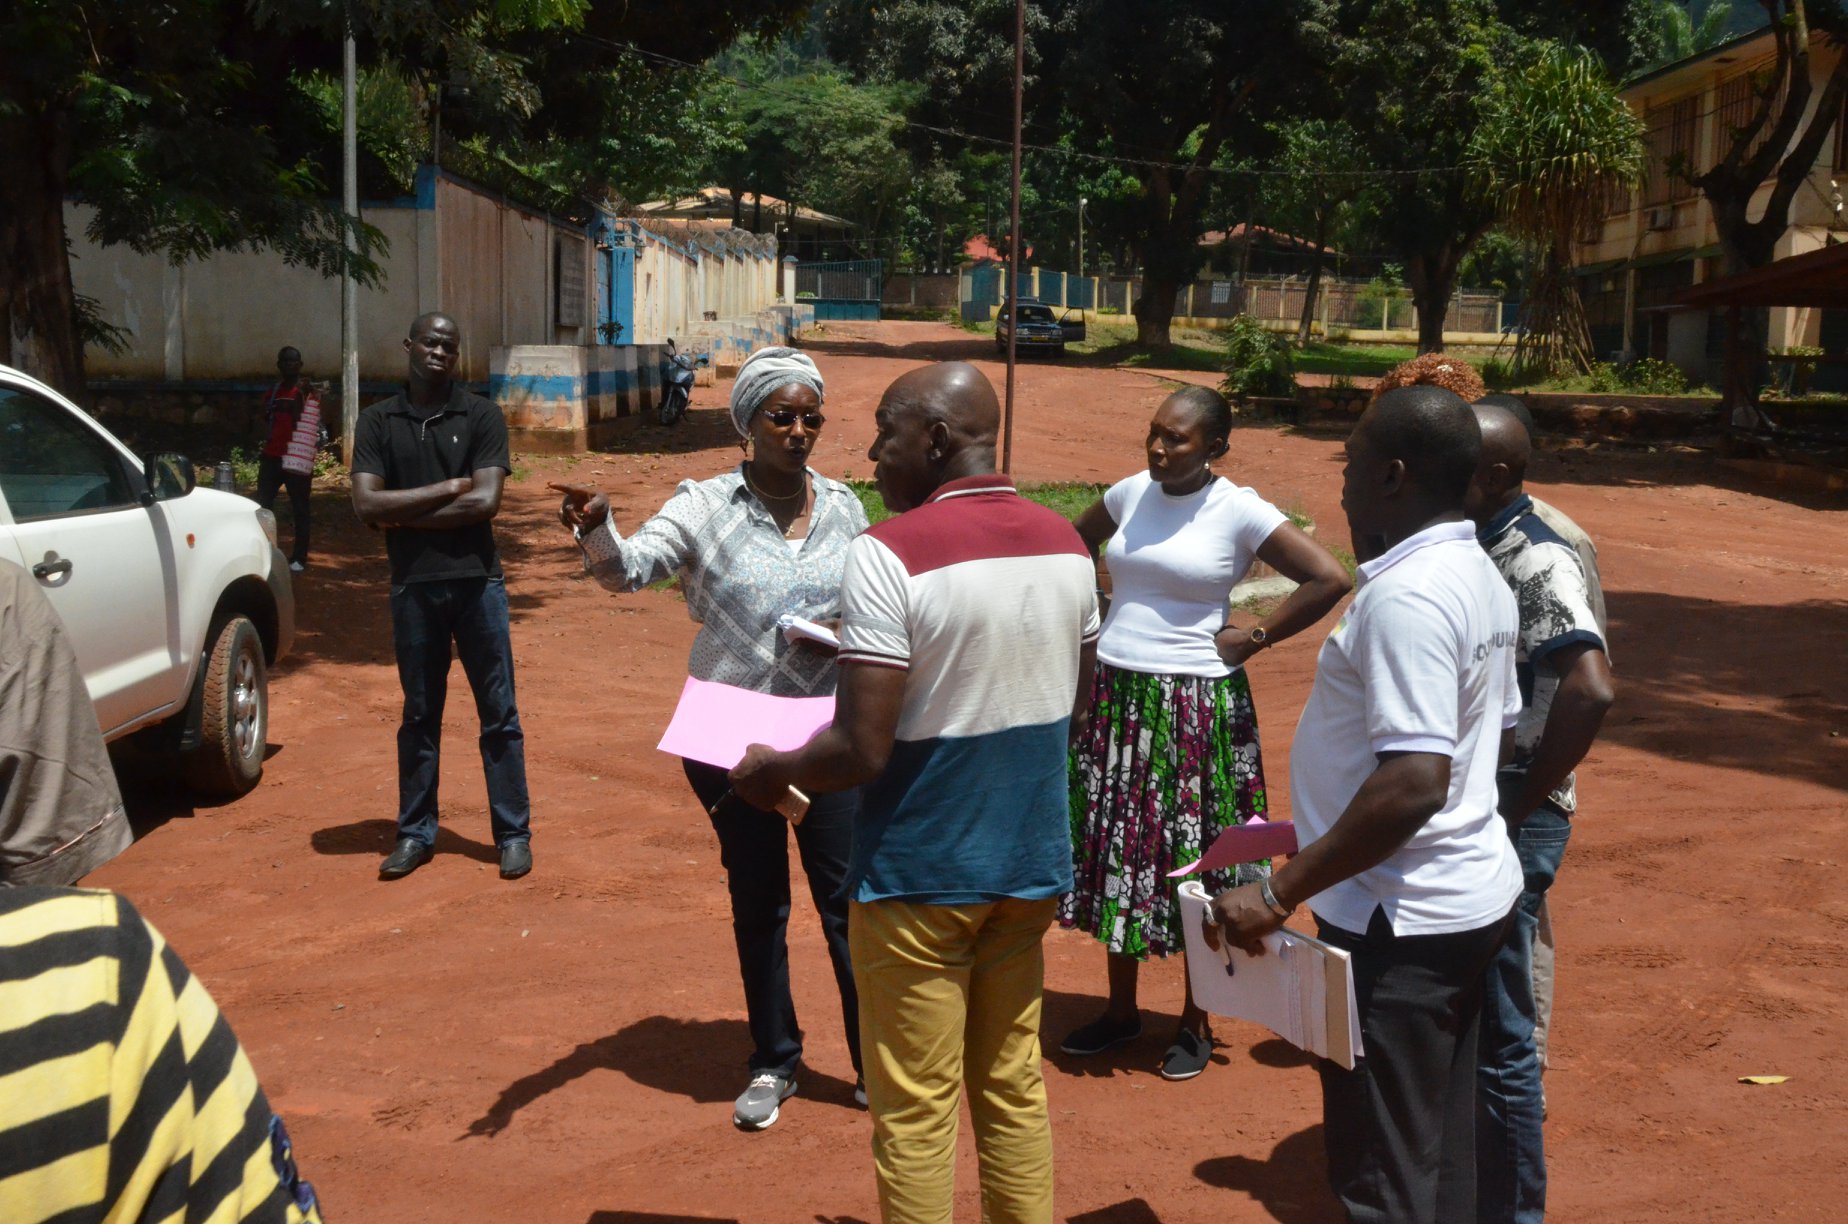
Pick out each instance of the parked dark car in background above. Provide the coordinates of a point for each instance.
(1040, 331)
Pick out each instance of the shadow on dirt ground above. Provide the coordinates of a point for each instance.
(690, 1058)
(1721, 688)
(379, 836)
(1291, 1184)
(953, 348)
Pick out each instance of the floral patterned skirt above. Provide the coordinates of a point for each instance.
(1168, 763)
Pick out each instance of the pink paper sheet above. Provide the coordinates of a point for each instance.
(1246, 843)
(715, 723)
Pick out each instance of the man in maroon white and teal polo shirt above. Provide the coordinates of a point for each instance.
(967, 623)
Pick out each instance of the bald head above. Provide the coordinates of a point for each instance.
(935, 424)
(1499, 477)
(1504, 439)
(953, 392)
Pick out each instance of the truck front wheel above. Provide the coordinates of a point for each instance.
(234, 713)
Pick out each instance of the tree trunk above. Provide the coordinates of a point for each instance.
(38, 316)
(1154, 309)
(1432, 275)
(1170, 254)
(1315, 280)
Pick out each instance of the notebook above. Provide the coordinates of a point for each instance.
(1301, 989)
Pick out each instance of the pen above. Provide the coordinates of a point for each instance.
(714, 809)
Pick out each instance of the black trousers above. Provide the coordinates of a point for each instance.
(270, 477)
(754, 847)
(1401, 1126)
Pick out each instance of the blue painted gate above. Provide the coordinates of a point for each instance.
(842, 289)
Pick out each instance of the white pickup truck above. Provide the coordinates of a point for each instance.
(176, 597)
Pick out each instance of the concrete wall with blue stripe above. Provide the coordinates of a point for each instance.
(564, 398)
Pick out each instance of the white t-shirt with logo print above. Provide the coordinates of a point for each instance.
(1422, 662)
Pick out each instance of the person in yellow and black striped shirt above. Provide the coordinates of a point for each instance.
(124, 1094)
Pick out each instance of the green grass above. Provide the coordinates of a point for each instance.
(1353, 360)
(1069, 498)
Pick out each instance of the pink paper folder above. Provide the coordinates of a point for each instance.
(1246, 843)
(715, 723)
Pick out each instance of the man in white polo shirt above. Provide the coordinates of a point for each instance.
(1404, 861)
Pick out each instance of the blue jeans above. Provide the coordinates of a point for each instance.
(1510, 1148)
(425, 618)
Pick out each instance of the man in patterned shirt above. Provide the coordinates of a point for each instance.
(1573, 534)
(1565, 683)
(124, 1095)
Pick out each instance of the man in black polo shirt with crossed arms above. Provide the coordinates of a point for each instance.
(427, 468)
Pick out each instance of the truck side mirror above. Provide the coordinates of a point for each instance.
(169, 475)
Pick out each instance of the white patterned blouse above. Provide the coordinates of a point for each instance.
(739, 574)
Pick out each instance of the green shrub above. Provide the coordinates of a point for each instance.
(244, 468)
(1653, 377)
(1257, 362)
(1377, 295)
(1604, 379)
(1497, 375)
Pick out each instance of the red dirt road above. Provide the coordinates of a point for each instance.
(452, 1047)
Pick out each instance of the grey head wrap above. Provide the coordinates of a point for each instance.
(763, 372)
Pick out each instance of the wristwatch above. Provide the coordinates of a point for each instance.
(1257, 637)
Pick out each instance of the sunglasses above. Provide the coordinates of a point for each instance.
(784, 418)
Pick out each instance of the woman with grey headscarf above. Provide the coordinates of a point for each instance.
(766, 538)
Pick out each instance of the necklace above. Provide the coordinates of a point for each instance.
(785, 498)
(781, 497)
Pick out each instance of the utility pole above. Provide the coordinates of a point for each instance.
(349, 288)
(1013, 242)
(1089, 296)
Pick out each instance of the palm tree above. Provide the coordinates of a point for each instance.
(1688, 29)
(1555, 144)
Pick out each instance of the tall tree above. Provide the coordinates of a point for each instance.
(1554, 145)
(1160, 86)
(1315, 187)
(193, 126)
(1689, 29)
(1416, 76)
(1172, 83)
(1776, 144)
(1781, 135)
(176, 122)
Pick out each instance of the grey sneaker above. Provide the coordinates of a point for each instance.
(758, 1107)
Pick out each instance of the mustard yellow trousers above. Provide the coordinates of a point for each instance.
(950, 995)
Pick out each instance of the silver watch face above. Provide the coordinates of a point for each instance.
(1258, 635)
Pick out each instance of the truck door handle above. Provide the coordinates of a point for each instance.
(53, 566)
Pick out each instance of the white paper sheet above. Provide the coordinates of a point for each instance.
(1302, 989)
(796, 628)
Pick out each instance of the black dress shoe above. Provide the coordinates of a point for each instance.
(406, 857)
(516, 860)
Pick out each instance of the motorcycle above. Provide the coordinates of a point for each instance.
(677, 382)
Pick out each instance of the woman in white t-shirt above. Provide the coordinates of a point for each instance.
(1170, 757)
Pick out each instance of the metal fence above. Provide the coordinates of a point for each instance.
(1341, 305)
(850, 280)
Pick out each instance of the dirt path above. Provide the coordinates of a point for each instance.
(455, 1048)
